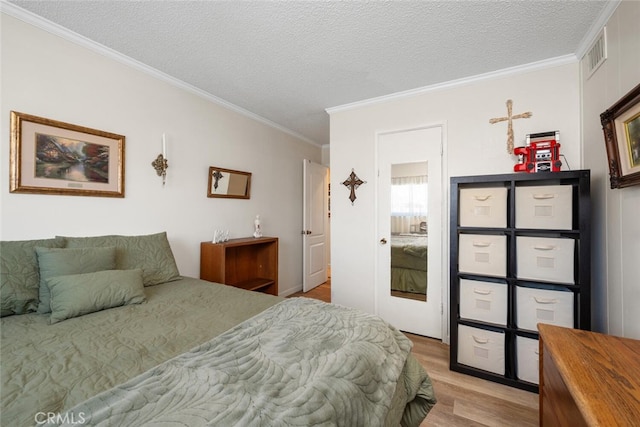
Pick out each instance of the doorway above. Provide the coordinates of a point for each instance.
(409, 278)
(315, 225)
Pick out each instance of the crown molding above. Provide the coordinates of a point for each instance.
(60, 31)
(505, 72)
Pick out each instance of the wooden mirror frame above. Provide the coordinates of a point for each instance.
(237, 180)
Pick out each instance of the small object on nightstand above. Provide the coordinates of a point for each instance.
(257, 227)
(220, 236)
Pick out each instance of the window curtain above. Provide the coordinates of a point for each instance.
(409, 204)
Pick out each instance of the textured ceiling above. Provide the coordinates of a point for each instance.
(287, 61)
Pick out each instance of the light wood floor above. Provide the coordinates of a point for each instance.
(463, 400)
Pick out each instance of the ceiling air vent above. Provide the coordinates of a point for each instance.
(597, 54)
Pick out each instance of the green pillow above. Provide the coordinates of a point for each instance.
(19, 277)
(151, 253)
(79, 294)
(63, 262)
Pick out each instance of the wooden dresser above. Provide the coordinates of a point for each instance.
(588, 379)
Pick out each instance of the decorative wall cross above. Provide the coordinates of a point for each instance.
(353, 182)
(218, 176)
(510, 118)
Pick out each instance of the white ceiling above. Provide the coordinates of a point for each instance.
(287, 61)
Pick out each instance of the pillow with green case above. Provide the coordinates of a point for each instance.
(54, 262)
(79, 294)
(151, 253)
(19, 275)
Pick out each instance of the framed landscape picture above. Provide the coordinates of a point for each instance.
(52, 157)
(621, 127)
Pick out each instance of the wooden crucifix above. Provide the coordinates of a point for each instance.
(353, 182)
(510, 118)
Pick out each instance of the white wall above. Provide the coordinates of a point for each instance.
(616, 244)
(49, 76)
(472, 147)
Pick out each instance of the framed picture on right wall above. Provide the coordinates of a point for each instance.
(621, 127)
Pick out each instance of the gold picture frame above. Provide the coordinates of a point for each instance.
(53, 157)
(621, 127)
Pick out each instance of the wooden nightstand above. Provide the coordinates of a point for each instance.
(246, 263)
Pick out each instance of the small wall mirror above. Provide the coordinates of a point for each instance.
(228, 183)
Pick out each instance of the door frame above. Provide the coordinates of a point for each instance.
(307, 213)
(445, 190)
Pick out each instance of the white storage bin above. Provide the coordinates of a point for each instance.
(542, 258)
(483, 254)
(527, 351)
(481, 349)
(543, 306)
(483, 301)
(483, 207)
(546, 207)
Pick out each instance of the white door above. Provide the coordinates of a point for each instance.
(314, 225)
(410, 230)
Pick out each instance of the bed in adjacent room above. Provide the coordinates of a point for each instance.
(122, 339)
(409, 263)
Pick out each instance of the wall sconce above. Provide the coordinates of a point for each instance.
(160, 164)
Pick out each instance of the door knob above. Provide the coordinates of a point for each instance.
(383, 241)
(305, 232)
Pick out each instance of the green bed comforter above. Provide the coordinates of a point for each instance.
(53, 368)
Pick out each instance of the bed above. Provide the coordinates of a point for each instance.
(409, 263)
(128, 341)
